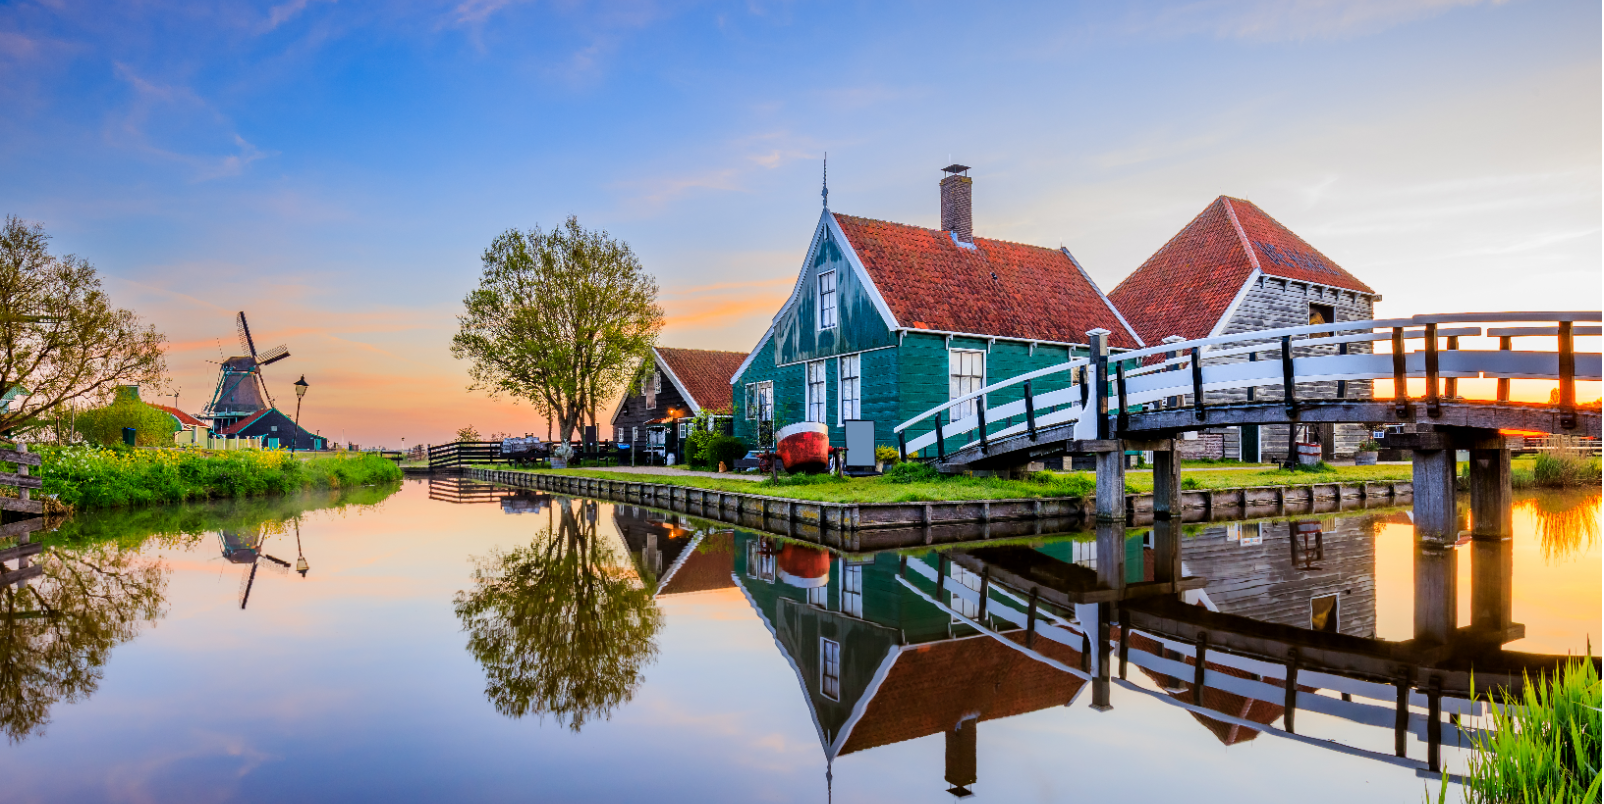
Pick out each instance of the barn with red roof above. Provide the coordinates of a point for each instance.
(887, 320)
(1236, 269)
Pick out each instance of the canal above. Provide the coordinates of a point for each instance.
(450, 640)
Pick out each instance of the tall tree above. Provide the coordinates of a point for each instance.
(559, 319)
(61, 340)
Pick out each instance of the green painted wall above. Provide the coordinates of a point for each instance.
(859, 324)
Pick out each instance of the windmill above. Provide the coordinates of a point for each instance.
(241, 390)
(246, 548)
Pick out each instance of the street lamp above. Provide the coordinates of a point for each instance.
(300, 391)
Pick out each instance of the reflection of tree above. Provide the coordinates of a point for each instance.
(560, 626)
(1567, 522)
(58, 628)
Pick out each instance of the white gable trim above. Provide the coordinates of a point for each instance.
(826, 223)
(674, 378)
(863, 273)
(1230, 311)
(1101, 295)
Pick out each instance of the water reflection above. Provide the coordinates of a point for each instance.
(61, 613)
(1567, 522)
(563, 626)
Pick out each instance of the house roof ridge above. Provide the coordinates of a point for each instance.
(977, 238)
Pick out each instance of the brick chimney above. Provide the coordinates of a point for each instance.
(956, 216)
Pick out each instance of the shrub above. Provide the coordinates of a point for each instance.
(1565, 465)
(887, 455)
(911, 472)
(92, 477)
(104, 426)
(718, 448)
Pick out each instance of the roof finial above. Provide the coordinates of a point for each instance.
(825, 193)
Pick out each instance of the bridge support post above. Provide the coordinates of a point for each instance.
(1436, 530)
(1111, 484)
(1166, 480)
(1435, 494)
(1491, 559)
(1436, 590)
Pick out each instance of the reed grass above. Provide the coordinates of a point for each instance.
(1544, 744)
(1567, 523)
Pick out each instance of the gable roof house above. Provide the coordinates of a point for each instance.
(276, 430)
(675, 386)
(1236, 269)
(887, 320)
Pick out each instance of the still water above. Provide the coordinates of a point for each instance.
(469, 643)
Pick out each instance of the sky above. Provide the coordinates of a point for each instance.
(336, 169)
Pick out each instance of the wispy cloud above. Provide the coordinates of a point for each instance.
(177, 113)
(284, 12)
(1292, 20)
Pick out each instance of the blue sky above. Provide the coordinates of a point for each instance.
(336, 168)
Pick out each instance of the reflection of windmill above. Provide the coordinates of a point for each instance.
(241, 548)
(241, 390)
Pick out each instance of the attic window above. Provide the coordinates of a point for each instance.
(827, 300)
(1322, 314)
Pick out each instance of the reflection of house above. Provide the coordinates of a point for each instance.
(879, 664)
(681, 561)
(1227, 703)
(672, 389)
(1235, 269)
(1310, 573)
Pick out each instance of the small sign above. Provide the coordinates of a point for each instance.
(1378, 434)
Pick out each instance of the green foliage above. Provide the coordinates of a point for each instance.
(723, 449)
(60, 337)
(90, 477)
(560, 319)
(1190, 483)
(1565, 469)
(104, 426)
(1544, 743)
(887, 455)
(911, 472)
(467, 434)
(821, 479)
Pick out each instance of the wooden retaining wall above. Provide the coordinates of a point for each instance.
(783, 515)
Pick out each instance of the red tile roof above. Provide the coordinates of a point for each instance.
(1188, 285)
(182, 417)
(234, 428)
(997, 288)
(705, 374)
(710, 566)
(931, 687)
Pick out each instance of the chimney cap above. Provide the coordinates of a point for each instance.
(955, 168)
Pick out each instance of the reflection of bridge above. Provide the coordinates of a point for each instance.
(885, 644)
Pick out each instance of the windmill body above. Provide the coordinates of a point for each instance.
(242, 406)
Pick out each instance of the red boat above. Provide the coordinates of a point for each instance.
(805, 447)
(804, 567)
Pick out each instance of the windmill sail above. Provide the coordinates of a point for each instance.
(241, 388)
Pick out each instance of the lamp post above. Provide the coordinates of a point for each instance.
(300, 556)
(300, 392)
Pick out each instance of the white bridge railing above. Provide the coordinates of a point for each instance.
(1102, 384)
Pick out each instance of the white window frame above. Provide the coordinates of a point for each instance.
(849, 400)
(830, 669)
(961, 384)
(852, 590)
(968, 580)
(816, 391)
(828, 309)
(819, 597)
(760, 399)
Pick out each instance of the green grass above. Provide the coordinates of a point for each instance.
(1544, 743)
(95, 477)
(923, 488)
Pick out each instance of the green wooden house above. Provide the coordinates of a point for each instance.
(889, 320)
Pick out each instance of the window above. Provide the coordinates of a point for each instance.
(816, 391)
(970, 581)
(1323, 613)
(827, 300)
(830, 668)
(819, 596)
(657, 382)
(1322, 314)
(968, 375)
(760, 401)
(852, 590)
(683, 427)
(760, 560)
(850, 409)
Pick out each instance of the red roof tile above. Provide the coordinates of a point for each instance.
(234, 428)
(997, 288)
(931, 687)
(705, 374)
(1188, 285)
(182, 417)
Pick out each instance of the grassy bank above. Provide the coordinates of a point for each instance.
(94, 477)
(1544, 744)
(915, 486)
